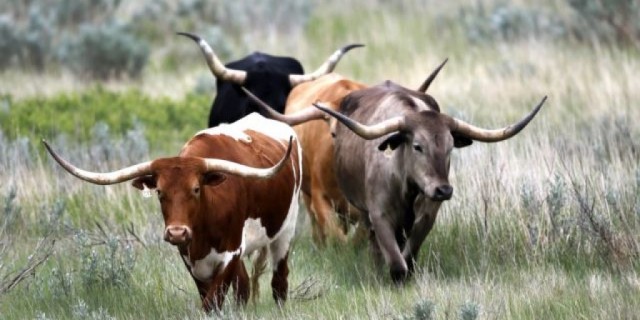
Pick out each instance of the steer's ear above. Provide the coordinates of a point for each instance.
(461, 141)
(213, 178)
(393, 141)
(141, 182)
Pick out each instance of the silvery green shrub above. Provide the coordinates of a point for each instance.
(104, 51)
(507, 22)
(469, 311)
(36, 40)
(8, 40)
(610, 20)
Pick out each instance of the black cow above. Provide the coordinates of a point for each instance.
(269, 77)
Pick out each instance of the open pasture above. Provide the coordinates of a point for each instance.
(544, 225)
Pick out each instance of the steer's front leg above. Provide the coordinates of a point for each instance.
(385, 236)
(241, 283)
(279, 283)
(219, 285)
(215, 296)
(203, 286)
(425, 213)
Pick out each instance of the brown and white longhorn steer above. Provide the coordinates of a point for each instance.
(232, 190)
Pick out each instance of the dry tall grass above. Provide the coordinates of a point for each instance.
(543, 225)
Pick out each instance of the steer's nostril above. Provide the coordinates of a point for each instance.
(443, 192)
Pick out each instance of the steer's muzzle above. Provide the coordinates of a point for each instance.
(177, 235)
(443, 192)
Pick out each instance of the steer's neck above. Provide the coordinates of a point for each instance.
(219, 217)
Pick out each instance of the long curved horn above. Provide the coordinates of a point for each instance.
(367, 132)
(118, 176)
(217, 68)
(485, 135)
(247, 171)
(427, 82)
(304, 115)
(328, 66)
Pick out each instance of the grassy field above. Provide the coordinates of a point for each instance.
(545, 225)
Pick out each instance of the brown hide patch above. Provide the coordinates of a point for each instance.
(315, 136)
(323, 196)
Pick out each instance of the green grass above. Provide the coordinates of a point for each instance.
(545, 225)
(76, 114)
(460, 264)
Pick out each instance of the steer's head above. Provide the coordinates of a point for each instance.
(424, 141)
(180, 183)
(424, 145)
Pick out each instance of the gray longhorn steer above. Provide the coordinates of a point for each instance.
(398, 176)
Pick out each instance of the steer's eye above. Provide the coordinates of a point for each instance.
(417, 147)
(196, 191)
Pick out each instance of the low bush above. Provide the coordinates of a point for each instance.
(507, 22)
(104, 52)
(105, 263)
(8, 39)
(588, 21)
(131, 113)
(86, 38)
(107, 38)
(610, 20)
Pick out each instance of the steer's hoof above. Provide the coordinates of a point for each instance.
(399, 274)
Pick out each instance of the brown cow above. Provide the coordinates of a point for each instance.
(214, 208)
(319, 186)
(398, 174)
